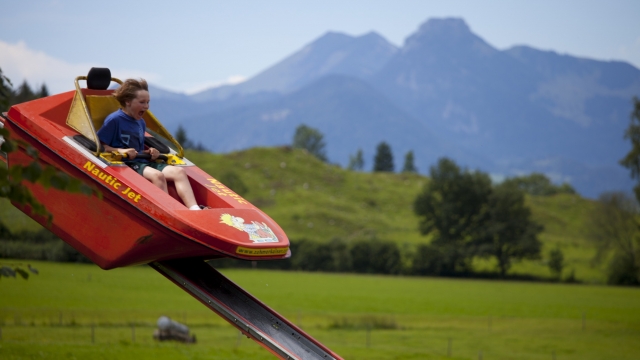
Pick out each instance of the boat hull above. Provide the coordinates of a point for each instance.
(132, 221)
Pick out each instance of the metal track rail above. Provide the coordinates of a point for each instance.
(253, 318)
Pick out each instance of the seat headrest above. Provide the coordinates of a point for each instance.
(98, 78)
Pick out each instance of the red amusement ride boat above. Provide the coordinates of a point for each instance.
(135, 222)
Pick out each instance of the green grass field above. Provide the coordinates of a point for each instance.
(53, 314)
(313, 200)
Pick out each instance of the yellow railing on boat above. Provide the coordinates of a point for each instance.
(88, 113)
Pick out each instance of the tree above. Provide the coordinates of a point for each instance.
(408, 163)
(5, 92)
(311, 140)
(452, 208)
(23, 94)
(376, 257)
(181, 137)
(510, 234)
(11, 178)
(613, 227)
(556, 262)
(185, 142)
(538, 184)
(632, 160)
(44, 92)
(383, 161)
(356, 162)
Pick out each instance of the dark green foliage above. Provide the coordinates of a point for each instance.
(44, 91)
(375, 257)
(5, 92)
(233, 181)
(467, 217)
(556, 262)
(11, 186)
(4, 232)
(430, 260)
(510, 232)
(452, 207)
(613, 227)
(632, 160)
(539, 184)
(623, 270)
(25, 93)
(185, 142)
(409, 165)
(356, 162)
(313, 256)
(11, 178)
(364, 256)
(181, 136)
(41, 245)
(383, 160)
(310, 139)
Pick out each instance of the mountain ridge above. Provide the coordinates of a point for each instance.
(503, 111)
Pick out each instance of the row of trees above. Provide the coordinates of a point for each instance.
(24, 92)
(614, 224)
(365, 256)
(312, 140)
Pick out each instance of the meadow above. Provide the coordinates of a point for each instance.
(318, 201)
(80, 311)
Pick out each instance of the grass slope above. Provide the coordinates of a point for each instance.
(50, 315)
(318, 201)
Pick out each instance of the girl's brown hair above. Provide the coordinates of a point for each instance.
(129, 89)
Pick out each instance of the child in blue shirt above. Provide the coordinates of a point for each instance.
(123, 131)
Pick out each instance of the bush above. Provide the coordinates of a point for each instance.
(40, 245)
(427, 260)
(623, 271)
(375, 257)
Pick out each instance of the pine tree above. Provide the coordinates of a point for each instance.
(408, 163)
(182, 139)
(44, 92)
(23, 94)
(5, 92)
(383, 160)
(356, 162)
(310, 139)
(632, 160)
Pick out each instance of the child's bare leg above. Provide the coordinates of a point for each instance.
(181, 181)
(156, 177)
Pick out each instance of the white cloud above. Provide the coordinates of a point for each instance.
(196, 88)
(631, 52)
(19, 63)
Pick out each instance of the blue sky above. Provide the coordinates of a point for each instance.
(187, 46)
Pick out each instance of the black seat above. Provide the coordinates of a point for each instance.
(98, 78)
(89, 144)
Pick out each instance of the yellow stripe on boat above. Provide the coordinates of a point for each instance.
(261, 252)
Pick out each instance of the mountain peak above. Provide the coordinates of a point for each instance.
(446, 35)
(445, 26)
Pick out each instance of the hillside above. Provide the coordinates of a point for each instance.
(505, 111)
(317, 201)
